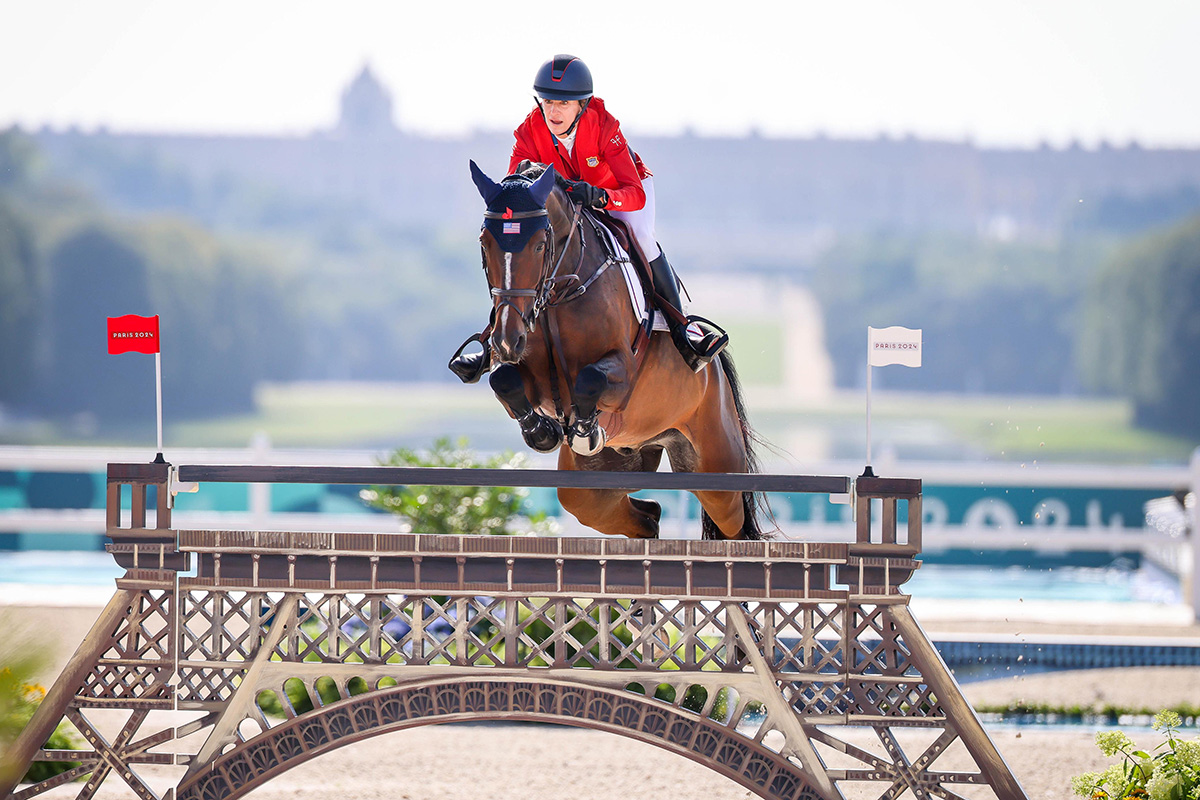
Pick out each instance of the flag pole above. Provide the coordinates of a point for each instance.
(869, 416)
(158, 404)
(868, 472)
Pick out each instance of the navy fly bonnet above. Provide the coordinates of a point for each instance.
(516, 207)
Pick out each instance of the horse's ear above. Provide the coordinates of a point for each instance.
(488, 188)
(542, 187)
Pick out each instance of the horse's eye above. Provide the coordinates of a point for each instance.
(541, 246)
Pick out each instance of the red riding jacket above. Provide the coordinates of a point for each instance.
(601, 155)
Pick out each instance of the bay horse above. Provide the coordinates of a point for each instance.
(582, 375)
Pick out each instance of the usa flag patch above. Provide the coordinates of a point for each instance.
(512, 227)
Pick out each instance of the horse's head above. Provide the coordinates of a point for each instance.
(517, 243)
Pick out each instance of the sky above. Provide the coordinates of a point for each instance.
(998, 73)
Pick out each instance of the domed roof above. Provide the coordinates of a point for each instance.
(366, 106)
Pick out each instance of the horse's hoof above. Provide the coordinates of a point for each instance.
(544, 435)
(591, 444)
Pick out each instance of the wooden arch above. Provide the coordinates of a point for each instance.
(324, 729)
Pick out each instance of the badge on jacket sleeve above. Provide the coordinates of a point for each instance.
(593, 161)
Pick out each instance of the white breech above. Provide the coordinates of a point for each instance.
(641, 222)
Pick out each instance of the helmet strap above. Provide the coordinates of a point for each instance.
(582, 108)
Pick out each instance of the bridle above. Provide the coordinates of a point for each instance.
(548, 296)
(543, 293)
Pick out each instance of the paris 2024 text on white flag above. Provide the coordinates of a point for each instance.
(894, 345)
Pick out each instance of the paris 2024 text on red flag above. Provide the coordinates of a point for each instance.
(132, 334)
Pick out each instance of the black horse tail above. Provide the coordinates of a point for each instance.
(753, 503)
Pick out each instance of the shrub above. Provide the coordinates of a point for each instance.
(1172, 774)
(497, 510)
(19, 699)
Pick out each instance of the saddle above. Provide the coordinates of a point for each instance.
(640, 263)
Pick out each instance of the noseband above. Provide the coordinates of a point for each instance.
(543, 293)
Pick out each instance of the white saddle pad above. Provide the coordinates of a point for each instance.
(633, 283)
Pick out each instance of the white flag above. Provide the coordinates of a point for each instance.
(894, 345)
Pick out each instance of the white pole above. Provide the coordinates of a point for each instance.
(1194, 534)
(869, 370)
(158, 397)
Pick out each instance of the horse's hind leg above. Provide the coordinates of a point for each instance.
(717, 445)
(610, 511)
(727, 510)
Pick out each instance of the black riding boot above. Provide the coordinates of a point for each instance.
(469, 367)
(699, 340)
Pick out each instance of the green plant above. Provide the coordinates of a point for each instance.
(1172, 774)
(497, 510)
(1102, 712)
(19, 699)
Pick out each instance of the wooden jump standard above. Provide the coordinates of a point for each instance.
(793, 668)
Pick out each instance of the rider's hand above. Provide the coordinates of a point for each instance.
(588, 195)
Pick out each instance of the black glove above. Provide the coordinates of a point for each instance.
(586, 194)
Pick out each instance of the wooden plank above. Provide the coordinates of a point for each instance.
(435, 476)
(138, 473)
(889, 487)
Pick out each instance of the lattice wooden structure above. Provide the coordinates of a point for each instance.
(793, 668)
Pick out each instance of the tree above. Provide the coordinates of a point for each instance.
(230, 314)
(94, 274)
(18, 158)
(19, 298)
(1142, 329)
(996, 318)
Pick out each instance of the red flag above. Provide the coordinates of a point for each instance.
(132, 334)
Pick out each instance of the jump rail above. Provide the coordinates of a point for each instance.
(775, 663)
(571, 479)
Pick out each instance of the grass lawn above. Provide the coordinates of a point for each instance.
(340, 415)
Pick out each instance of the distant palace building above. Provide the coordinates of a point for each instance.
(366, 108)
(773, 199)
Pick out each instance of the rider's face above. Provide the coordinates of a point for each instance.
(560, 114)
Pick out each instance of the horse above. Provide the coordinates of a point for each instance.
(581, 374)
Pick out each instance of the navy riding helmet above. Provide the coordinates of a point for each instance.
(563, 77)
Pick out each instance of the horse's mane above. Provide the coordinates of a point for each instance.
(529, 169)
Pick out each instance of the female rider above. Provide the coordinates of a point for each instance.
(571, 130)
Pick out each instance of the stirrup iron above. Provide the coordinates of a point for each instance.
(470, 367)
(699, 341)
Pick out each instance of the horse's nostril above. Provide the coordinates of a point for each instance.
(520, 346)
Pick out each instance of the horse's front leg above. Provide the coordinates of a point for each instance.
(539, 431)
(607, 375)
